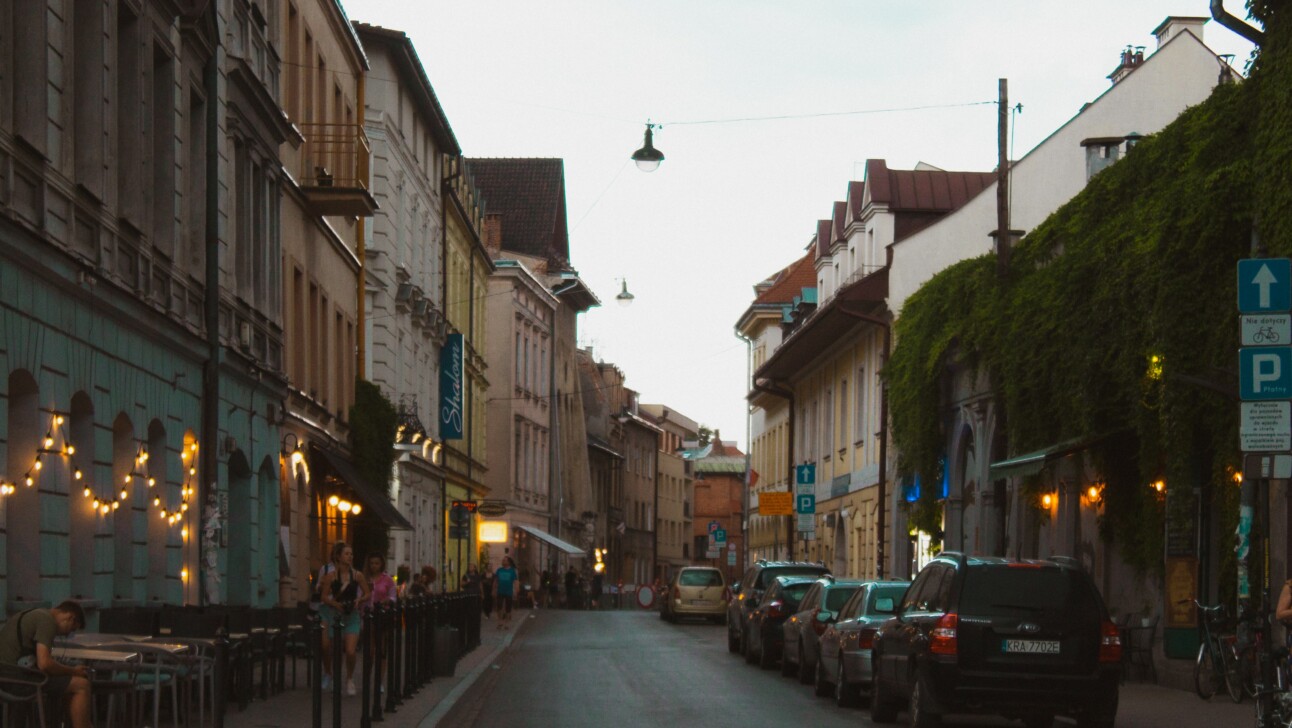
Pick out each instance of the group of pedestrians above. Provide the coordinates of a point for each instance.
(497, 589)
(344, 594)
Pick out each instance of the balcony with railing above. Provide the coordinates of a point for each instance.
(333, 170)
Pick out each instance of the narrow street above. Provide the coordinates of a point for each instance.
(627, 668)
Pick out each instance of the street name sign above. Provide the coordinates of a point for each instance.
(1265, 329)
(1265, 426)
(1265, 372)
(1264, 285)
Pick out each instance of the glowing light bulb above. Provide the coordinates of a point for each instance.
(96, 504)
(163, 513)
(49, 442)
(58, 420)
(333, 501)
(38, 465)
(193, 447)
(30, 481)
(1047, 500)
(354, 511)
(152, 482)
(77, 474)
(157, 501)
(183, 533)
(71, 449)
(1093, 492)
(192, 471)
(124, 494)
(183, 574)
(126, 479)
(344, 506)
(87, 491)
(183, 507)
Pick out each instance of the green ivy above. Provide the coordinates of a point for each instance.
(373, 423)
(1117, 314)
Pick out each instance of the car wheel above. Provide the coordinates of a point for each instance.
(766, 658)
(821, 684)
(845, 695)
(920, 715)
(733, 642)
(807, 671)
(882, 708)
(789, 668)
(1039, 721)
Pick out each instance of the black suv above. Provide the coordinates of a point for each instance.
(1025, 639)
(748, 592)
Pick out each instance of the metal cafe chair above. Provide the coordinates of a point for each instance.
(21, 696)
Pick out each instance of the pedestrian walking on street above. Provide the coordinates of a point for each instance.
(473, 584)
(343, 590)
(594, 596)
(486, 593)
(505, 579)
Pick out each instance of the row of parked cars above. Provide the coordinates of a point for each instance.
(1025, 639)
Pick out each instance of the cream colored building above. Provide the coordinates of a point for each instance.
(675, 486)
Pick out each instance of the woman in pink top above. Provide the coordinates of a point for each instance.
(383, 587)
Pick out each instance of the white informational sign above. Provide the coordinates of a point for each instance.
(731, 558)
(1266, 329)
(1265, 426)
(712, 553)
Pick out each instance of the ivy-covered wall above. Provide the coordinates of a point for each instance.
(1118, 313)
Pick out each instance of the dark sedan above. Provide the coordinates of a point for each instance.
(765, 640)
(803, 630)
(844, 669)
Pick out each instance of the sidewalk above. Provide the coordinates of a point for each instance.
(291, 709)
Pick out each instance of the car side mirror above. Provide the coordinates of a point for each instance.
(825, 617)
(884, 604)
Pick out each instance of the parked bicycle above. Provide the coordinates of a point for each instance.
(1217, 661)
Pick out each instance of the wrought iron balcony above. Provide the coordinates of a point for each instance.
(334, 169)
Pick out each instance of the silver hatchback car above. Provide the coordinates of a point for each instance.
(695, 591)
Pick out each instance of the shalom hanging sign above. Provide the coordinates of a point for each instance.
(451, 377)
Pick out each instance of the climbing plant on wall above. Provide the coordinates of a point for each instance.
(1117, 315)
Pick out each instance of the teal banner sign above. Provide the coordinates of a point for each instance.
(451, 384)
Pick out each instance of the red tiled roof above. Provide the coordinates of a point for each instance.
(529, 194)
(790, 281)
(922, 189)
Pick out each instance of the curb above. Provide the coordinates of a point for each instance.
(445, 705)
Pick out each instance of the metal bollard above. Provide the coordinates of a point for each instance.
(365, 679)
(397, 635)
(315, 627)
(337, 648)
(379, 635)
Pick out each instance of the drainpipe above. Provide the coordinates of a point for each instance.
(749, 449)
(880, 551)
(788, 396)
(1229, 21)
(211, 302)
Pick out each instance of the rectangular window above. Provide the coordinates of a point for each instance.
(163, 152)
(859, 411)
(297, 326)
(292, 74)
(325, 378)
(195, 183)
(129, 156)
(843, 411)
(310, 348)
(87, 93)
(827, 423)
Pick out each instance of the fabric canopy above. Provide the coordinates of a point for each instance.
(568, 548)
(1034, 462)
(371, 497)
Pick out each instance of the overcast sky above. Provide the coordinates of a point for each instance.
(736, 201)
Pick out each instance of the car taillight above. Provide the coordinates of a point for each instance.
(677, 593)
(820, 622)
(1110, 642)
(943, 637)
(776, 609)
(865, 639)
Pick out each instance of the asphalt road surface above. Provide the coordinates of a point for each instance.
(628, 668)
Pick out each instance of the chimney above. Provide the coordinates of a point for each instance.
(1132, 57)
(1177, 24)
(493, 233)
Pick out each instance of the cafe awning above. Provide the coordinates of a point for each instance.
(336, 467)
(1034, 462)
(569, 548)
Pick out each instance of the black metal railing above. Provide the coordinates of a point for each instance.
(401, 643)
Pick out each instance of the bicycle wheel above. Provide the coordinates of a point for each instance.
(1204, 672)
(1248, 669)
(1229, 664)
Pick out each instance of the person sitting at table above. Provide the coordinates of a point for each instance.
(27, 640)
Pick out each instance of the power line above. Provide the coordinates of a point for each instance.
(824, 114)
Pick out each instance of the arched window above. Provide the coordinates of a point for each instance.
(157, 486)
(124, 452)
(84, 521)
(22, 558)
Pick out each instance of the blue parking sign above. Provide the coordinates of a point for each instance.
(805, 503)
(1265, 372)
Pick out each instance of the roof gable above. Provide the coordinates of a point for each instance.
(529, 195)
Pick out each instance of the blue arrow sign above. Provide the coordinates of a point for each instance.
(804, 503)
(805, 474)
(1264, 284)
(1265, 372)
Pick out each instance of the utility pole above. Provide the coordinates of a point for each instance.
(1003, 240)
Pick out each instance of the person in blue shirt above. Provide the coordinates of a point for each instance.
(504, 581)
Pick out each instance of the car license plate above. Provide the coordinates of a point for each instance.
(1034, 647)
(699, 602)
